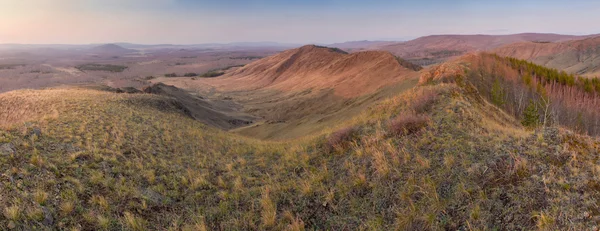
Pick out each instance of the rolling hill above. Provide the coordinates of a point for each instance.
(360, 45)
(439, 155)
(302, 91)
(314, 67)
(110, 49)
(581, 57)
(438, 48)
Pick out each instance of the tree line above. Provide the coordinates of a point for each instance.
(537, 95)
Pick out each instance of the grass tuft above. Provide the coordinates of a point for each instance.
(407, 123)
(341, 138)
(269, 209)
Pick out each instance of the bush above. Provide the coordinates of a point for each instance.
(191, 74)
(171, 75)
(497, 94)
(424, 100)
(339, 138)
(531, 115)
(408, 64)
(229, 67)
(101, 67)
(407, 123)
(212, 74)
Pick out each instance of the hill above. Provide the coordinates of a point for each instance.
(314, 67)
(360, 45)
(302, 91)
(580, 57)
(437, 48)
(112, 49)
(440, 155)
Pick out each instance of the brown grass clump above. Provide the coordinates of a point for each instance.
(407, 123)
(340, 138)
(269, 210)
(424, 100)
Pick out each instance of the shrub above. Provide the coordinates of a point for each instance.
(191, 74)
(408, 64)
(212, 74)
(333, 49)
(407, 123)
(248, 57)
(101, 67)
(171, 75)
(531, 116)
(424, 100)
(229, 67)
(498, 94)
(341, 137)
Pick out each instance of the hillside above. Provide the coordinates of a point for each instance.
(437, 48)
(580, 57)
(313, 67)
(360, 45)
(216, 113)
(302, 91)
(437, 156)
(111, 49)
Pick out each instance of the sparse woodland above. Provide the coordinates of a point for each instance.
(521, 88)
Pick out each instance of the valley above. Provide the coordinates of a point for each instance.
(361, 137)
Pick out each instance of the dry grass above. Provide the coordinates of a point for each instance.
(26, 105)
(406, 124)
(269, 210)
(341, 138)
(110, 161)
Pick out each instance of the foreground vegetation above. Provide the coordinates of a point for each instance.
(436, 157)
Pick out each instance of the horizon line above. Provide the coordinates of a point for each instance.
(302, 43)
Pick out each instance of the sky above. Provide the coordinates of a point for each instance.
(292, 21)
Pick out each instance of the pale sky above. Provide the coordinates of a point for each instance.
(292, 21)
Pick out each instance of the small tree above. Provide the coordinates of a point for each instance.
(531, 116)
(498, 93)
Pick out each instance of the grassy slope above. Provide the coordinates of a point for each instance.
(113, 161)
(292, 116)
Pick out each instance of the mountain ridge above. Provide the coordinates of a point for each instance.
(580, 57)
(319, 68)
(438, 48)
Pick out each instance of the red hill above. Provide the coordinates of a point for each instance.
(318, 68)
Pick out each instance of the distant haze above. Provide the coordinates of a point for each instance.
(293, 21)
